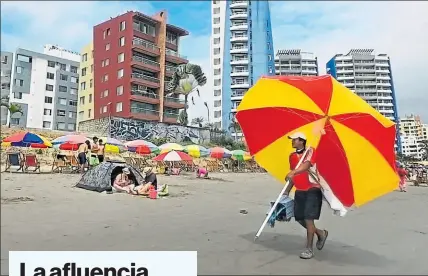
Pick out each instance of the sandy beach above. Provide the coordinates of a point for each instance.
(45, 212)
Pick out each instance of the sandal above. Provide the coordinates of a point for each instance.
(321, 242)
(307, 254)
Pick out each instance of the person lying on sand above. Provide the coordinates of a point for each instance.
(202, 172)
(122, 183)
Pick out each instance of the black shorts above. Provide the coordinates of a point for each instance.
(82, 158)
(101, 158)
(307, 204)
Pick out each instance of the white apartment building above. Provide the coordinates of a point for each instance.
(425, 132)
(410, 146)
(412, 126)
(295, 62)
(241, 52)
(45, 86)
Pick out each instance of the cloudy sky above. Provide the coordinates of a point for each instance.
(325, 28)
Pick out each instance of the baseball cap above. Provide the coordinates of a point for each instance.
(147, 170)
(297, 135)
(126, 171)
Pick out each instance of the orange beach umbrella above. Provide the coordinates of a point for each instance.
(355, 155)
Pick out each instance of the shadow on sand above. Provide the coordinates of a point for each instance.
(335, 252)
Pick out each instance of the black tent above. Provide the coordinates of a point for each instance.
(100, 178)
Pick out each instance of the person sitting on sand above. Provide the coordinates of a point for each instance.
(122, 183)
(150, 180)
(202, 172)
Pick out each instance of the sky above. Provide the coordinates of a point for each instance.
(397, 28)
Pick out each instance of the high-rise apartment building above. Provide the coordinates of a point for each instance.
(85, 107)
(241, 52)
(295, 62)
(6, 75)
(369, 75)
(135, 56)
(412, 126)
(45, 86)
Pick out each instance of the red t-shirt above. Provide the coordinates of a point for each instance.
(402, 172)
(301, 181)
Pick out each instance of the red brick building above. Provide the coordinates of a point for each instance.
(134, 56)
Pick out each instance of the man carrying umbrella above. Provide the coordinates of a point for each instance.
(308, 196)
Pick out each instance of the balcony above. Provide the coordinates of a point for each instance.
(349, 84)
(238, 4)
(239, 50)
(174, 102)
(239, 73)
(239, 38)
(237, 95)
(144, 96)
(383, 84)
(169, 70)
(239, 27)
(367, 69)
(145, 80)
(170, 118)
(175, 58)
(239, 61)
(145, 47)
(146, 64)
(238, 85)
(239, 15)
(144, 114)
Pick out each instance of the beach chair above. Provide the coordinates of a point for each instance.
(73, 163)
(58, 163)
(31, 161)
(14, 159)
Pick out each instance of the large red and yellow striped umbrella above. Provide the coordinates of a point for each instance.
(355, 155)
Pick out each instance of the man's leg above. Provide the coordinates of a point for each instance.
(320, 233)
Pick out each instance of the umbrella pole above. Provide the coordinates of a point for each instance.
(278, 199)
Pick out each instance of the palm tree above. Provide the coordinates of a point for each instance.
(197, 121)
(13, 108)
(235, 126)
(424, 149)
(182, 118)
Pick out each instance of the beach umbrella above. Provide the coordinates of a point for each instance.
(170, 146)
(69, 142)
(26, 139)
(354, 143)
(241, 155)
(219, 153)
(142, 147)
(196, 151)
(173, 156)
(112, 145)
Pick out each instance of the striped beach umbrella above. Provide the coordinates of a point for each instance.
(170, 146)
(220, 153)
(69, 142)
(142, 147)
(112, 145)
(241, 155)
(26, 139)
(173, 156)
(196, 151)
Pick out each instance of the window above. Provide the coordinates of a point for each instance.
(217, 82)
(217, 92)
(89, 112)
(216, 51)
(83, 72)
(72, 114)
(171, 38)
(105, 62)
(217, 114)
(50, 76)
(73, 69)
(48, 99)
(60, 125)
(107, 46)
(105, 78)
(90, 98)
(60, 113)
(122, 41)
(19, 82)
(47, 112)
(270, 57)
(217, 71)
(72, 102)
(217, 103)
(4, 59)
(120, 73)
(91, 83)
(14, 121)
(62, 101)
(104, 109)
(216, 20)
(18, 69)
(122, 26)
(62, 67)
(71, 126)
(74, 80)
(46, 124)
(85, 57)
(104, 94)
(119, 107)
(92, 68)
(49, 87)
(216, 10)
(51, 64)
(82, 100)
(83, 85)
(144, 28)
(63, 77)
(23, 58)
(217, 40)
(121, 57)
(108, 31)
(216, 61)
(62, 88)
(119, 90)
(17, 95)
(216, 30)
(73, 91)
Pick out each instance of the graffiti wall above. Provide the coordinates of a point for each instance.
(129, 129)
